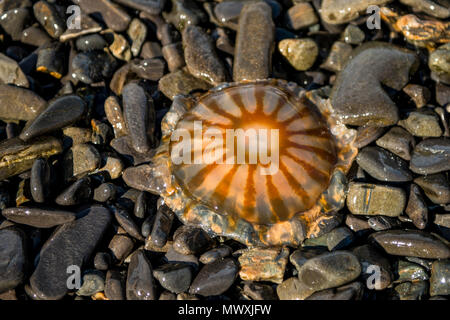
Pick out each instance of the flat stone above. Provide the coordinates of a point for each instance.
(128, 224)
(422, 124)
(70, 245)
(358, 96)
(91, 42)
(162, 225)
(301, 53)
(411, 243)
(140, 283)
(372, 199)
(77, 193)
(429, 7)
(93, 66)
(439, 63)
(383, 165)
(13, 258)
(137, 33)
(14, 22)
(173, 256)
(259, 264)
(342, 11)
(102, 261)
(63, 112)
(37, 217)
(201, 58)
(440, 278)
(398, 141)
(436, 187)
(215, 278)
(105, 192)
(431, 156)
(356, 224)
(180, 82)
(254, 43)
(353, 35)
(174, 277)
(380, 223)
(419, 94)
(409, 271)
(19, 104)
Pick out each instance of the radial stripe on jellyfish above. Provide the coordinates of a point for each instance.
(254, 151)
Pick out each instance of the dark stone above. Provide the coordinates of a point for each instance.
(398, 141)
(72, 244)
(105, 192)
(440, 278)
(40, 180)
(380, 223)
(431, 156)
(339, 238)
(215, 254)
(93, 66)
(174, 277)
(115, 285)
(127, 223)
(37, 217)
(114, 16)
(188, 240)
(149, 6)
(370, 257)
(13, 258)
(352, 291)
(436, 187)
(162, 225)
(259, 291)
(215, 278)
(91, 42)
(77, 193)
(140, 283)
(102, 261)
(15, 21)
(121, 246)
(416, 208)
(49, 17)
(19, 103)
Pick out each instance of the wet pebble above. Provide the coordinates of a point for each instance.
(184, 13)
(379, 223)
(416, 208)
(13, 258)
(398, 141)
(188, 240)
(115, 285)
(259, 291)
(301, 53)
(93, 66)
(436, 187)
(70, 245)
(422, 124)
(215, 278)
(93, 282)
(180, 82)
(339, 238)
(419, 94)
(300, 16)
(174, 277)
(77, 193)
(40, 180)
(411, 290)
(370, 259)
(102, 261)
(162, 225)
(105, 192)
(440, 278)
(128, 224)
(14, 22)
(383, 165)
(113, 112)
(408, 271)
(439, 63)
(11, 73)
(37, 217)
(259, 264)
(140, 283)
(371, 199)
(353, 35)
(49, 18)
(431, 156)
(91, 42)
(411, 243)
(137, 33)
(215, 254)
(121, 246)
(340, 53)
(115, 17)
(337, 12)
(19, 104)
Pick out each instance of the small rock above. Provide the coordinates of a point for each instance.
(419, 94)
(185, 13)
(11, 73)
(352, 291)
(137, 32)
(19, 103)
(40, 180)
(299, 257)
(140, 283)
(13, 258)
(380, 223)
(81, 160)
(398, 141)
(121, 247)
(422, 124)
(439, 63)
(431, 156)
(91, 42)
(105, 192)
(408, 271)
(115, 285)
(127, 223)
(93, 66)
(340, 53)
(180, 82)
(215, 278)
(416, 208)
(259, 291)
(353, 35)
(162, 225)
(174, 277)
(77, 193)
(339, 238)
(102, 261)
(188, 240)
(436, 187)
(301, 53)
(412, 290)
(215, 254)
(440, 278)
(115, 17)
(370, 258)
(48, 16)
(301, 16)
(342, 11)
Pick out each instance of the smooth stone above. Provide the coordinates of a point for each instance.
(292, 289)
(63, 112)
(37, 217)
(440, 278)
(436, 187)
(102, 261)
(150, 6)
(215, 254)
(439, 63)
(15, 21)
(17, 156)
(416, 208)
(254, 43)
(215, 278)
(114, 114)
(91, 42)
(419, 94)
(93, 66)
(150, 50)
(299, 257)
(174, 56)
(372, 199)
(121, 246)
(411, 243)
(259, 291)
(173, 256)
(261, 264)
(174, 277)
(188, 240)
(115, 285)
(114, 16)
(185, 13)
(431, 156)
(301, 53)
(136, 108)
(140, 283)
(301, 15)
(40, 180)
(371, 66)
(137, 33)
(162, 225)
(380, 223)
(340, 53)
(383, 165)
(408, 271)
(81, 160)
(356, 224)
(141, 207)
(77, 193)
(19, 103)
(13, 258)
(398, 141)
(422, 124)
(93, 282)
(105, 192)
(352, 291)
(366, 135)
(429, 7)
(369, 258)
(411, 290)
(70, 245)
(101, 132)
(180, 82)
(48, 16)
(353, 35)
(339, 238)
(11, 73)
(342, 11)
(127, 223)
(201, 58)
